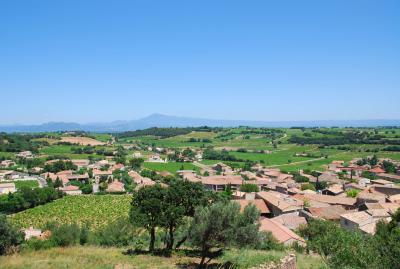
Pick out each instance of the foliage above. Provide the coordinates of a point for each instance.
(308, 186)
(389, 167)
(154, 206)
(352, 193)
(248, 187)
(339, 247)
(163, 132)
(10, 237)
(136, 163)
(386, 242)
(119, 232)
(26, 198)
(58, 166)
(223, 155)
(145, 211)
(299, 178)
(221, 225)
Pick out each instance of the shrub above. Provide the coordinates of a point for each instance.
(247, 187)
(65, 234)
(10, 237)
(118, 233)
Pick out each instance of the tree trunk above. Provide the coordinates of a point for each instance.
(171, 238)
(180, 242)
(203, 256)
(152, 239)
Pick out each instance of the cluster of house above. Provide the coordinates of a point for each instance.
(284, 206)
(8, 179)
(101, 170)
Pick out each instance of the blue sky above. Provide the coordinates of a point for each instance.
(90, 61)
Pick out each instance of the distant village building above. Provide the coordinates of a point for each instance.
(136, 155)
(116, 186)
(364, 221)
(32, 233)
(25, 155)
(155, 158)
(6, 174)
(71, 190)
(81, 163)
(7, 164)
(6, 188)
(283, 234)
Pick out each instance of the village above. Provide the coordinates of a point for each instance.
(355, 194)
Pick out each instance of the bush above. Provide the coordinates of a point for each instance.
(268, 242)
(118, 233)
(247, 187)
(10, 237)
(38, 244)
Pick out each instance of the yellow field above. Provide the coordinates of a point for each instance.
(85, 141)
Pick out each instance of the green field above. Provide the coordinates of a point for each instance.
(26, 183)
(64, 150)
(97, 210)
(170, 167)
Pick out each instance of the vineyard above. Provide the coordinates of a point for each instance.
(97, 210)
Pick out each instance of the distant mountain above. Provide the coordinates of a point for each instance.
(160, 120)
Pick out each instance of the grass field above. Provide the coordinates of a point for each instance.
(170, 167)
(64, 150)
(97, 210)
(96, 257)
(26, 183)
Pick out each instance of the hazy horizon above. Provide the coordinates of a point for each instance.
(93, 61)
(161, 115)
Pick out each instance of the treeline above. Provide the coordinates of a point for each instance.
(60, 165)
(91, 150)
(27, 198)
(223, 155)
(165, 132)
(342, 138)
(19, 142)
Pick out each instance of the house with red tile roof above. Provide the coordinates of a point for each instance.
(292, 220)
(279, 203)
(283, 234)
(116, 186)
(258, 203)
(71, 190)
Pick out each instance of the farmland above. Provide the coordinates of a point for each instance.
(97, 210)
(286, 148)
(85, 141)
(170, 167)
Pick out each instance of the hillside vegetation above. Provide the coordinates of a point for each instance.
(97, 257)
(97, 210)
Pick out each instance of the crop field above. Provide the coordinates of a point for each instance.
(171, 167)
(64, 150)
(97, 210)
(44, 139)
(102, 137)
(85, 141)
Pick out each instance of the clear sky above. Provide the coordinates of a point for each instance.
(91, 61)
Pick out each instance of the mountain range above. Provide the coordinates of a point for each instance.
(160, 120)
